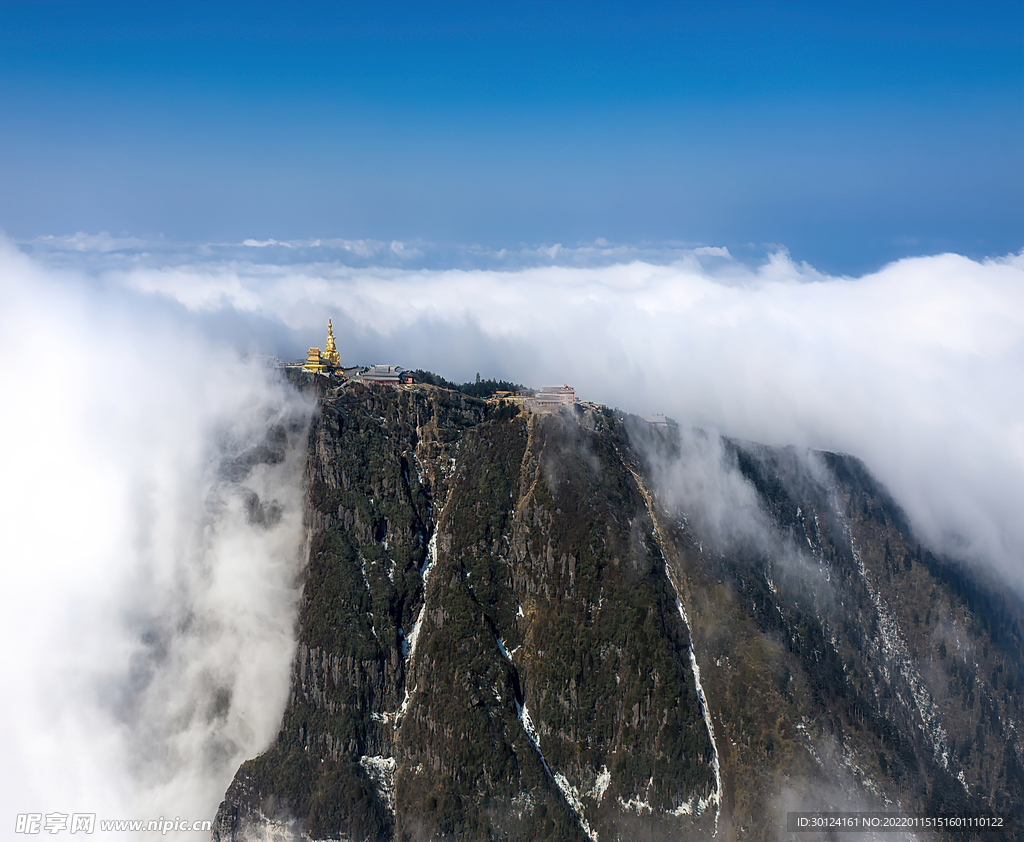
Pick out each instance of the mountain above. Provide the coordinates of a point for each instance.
(580, 625)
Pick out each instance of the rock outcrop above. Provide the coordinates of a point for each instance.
(514, 628)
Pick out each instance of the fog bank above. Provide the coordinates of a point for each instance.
(915, 368)
(152, 520)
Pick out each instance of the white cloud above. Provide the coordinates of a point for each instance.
(713, 251)
(117, 388)
(916, 368)
(147, 618)
(264, 243)
(82, 242)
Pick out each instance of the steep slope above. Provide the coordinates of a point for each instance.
(848, 667)
(495, 639)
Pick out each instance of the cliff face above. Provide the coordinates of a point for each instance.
(520, 626)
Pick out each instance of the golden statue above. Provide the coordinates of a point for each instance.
(330, 351)
(318, 360)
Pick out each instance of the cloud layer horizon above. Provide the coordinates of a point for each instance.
(915, 368)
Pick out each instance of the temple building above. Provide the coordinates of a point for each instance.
(317, 360)
(554, 397)
(390, 374)
(314, 362)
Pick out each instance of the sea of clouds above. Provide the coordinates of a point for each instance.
(132, 569)
(916, 368)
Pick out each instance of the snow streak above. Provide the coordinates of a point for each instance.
(568, 791)
(694, 805)
(895, 652)
(715, 798)
(409, 644)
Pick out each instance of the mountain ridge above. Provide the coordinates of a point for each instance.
(516, 625)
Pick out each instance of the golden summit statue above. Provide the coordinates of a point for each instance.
(330, 351)
(328, 358)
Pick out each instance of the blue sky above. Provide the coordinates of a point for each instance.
(849, 133)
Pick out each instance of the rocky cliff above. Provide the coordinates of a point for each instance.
(554, 626)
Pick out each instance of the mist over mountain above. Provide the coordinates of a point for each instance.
(893, 366)
(153, 527)
(155, 511)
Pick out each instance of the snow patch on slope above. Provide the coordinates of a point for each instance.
(600, 785)
(896, 654)
(572, 797)
(501, 647)
(381, 770)
(568, 791)
(636, 805)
